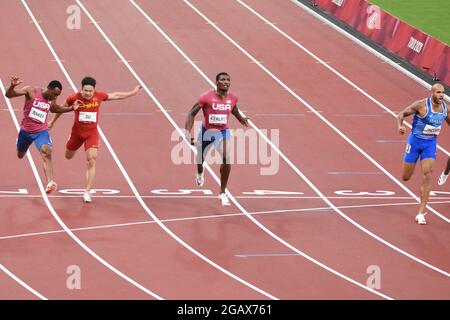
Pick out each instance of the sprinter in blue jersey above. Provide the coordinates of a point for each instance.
(429, 114)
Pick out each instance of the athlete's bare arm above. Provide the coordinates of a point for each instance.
(238, 115)
(448, 117)
(190, 120)
(123, 95)
(59, 110)
(55, 108)
(416, 107)
(13, 92)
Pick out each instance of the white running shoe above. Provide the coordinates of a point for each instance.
(224, 198)
(87, 197)
(442, 178)
(51, 186)
(420, 218)
(200, 179)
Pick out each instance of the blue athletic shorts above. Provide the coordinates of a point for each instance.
(25, 139)
(416, 147)
(210, 137)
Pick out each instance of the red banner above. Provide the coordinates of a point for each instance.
(405, 41)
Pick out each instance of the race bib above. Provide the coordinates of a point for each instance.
(431, 130)
(87, 117)
(38, 115)
(218, 118)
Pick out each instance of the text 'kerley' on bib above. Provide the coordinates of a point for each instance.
(218, 119)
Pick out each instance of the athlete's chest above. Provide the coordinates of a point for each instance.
(41, 104)
(90, 105)
(220, 105)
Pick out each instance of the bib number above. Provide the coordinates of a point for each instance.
(87, 117)
(218, 119)
(431, 130)
(38, 115)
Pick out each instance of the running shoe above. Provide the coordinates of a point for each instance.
(51, 186)
(442, 178)
(200, 179)
(224, 198)
(420, 218)
(87, 197)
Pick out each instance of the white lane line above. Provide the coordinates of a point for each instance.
(55, 214)
(215, 216)
(311, 108)
(215, 197)
(233, 199)
(21, 282)
(354, 39)
(317, 191)
(359, 90)
(133, 187)
(41, 187)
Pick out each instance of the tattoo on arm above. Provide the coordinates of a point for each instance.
(195, 109)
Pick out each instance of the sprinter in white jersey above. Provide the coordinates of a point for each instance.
(429, 114)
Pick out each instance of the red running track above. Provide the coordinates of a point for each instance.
(139, 133)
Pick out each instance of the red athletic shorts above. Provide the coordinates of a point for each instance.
(90, 139)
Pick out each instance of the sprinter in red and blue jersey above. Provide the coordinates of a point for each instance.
(217, 106)
(34, 128)
(429, 114)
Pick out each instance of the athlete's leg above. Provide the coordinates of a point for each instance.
(73, 144)
(408, 170)
(44, 145)
(203, 145)
(21, 154)
(447, 168)
(91, 158)
(427, 170)
(69, 154)
(24, 140)
(202, 148)
(412, 151)
(444, 175)
(225, 167)
(46, 153)
(428, 158)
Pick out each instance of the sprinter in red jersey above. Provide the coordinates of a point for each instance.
(84, 130)
(217, 106)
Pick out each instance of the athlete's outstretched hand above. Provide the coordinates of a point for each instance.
(137, 88)
(77, 104)
(401, 130)
(15, 81)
